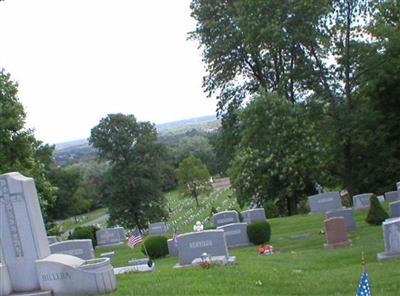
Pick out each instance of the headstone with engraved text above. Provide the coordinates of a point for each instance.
(323, 202)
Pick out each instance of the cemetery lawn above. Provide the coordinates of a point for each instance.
(301, 267)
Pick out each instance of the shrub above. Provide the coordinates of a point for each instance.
(85, 232)
(156, 246)
(259, 232)
(376, 214)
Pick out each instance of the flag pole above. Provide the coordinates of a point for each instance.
(150, 262)
(363, 261)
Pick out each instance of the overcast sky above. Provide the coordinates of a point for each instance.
(78, 60)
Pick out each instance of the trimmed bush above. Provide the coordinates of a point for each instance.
(376, 214)
(85, 232)
(259, 232)
(156, 246)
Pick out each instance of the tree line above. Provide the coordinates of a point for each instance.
(308, 93)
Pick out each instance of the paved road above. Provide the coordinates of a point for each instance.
(93, 222)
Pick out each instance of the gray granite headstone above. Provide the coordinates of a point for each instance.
(394, 209)
(159, 228)
(193, 244)
(172, 247)
(391, 236)
(381, 198)
(110, 236)
(226, 217)
(253, 215)
(362, 201)
(235, 234)
(347, 214)
(82, 248)
(391, 196)
(323, 202)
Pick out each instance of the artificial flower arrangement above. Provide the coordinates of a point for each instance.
(205, 264)
(266, 249)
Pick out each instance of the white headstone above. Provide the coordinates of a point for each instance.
(22, 232)
(27, 267)
(391, 236)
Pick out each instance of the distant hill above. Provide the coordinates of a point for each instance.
(80, 150)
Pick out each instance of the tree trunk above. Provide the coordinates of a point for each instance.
(292, 205)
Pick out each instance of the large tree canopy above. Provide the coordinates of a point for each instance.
(279, 156)
(132, 186)
(305, 51)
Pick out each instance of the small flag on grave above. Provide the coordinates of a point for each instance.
(135, 238)
(363, 286)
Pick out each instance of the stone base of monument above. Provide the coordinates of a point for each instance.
(135, 268)
(386, 256)
(339, 244)
(38, 293)
(68, 275)
(218, 260)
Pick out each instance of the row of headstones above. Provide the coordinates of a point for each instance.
(340, 220)
(229, 233)
(83, 248)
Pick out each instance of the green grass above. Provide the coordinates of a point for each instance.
(301, 267)
(71, 223)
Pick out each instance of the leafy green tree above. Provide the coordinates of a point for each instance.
(279, 155)
(67, 182)
(193, 178)
(19, 150)
(132, 186)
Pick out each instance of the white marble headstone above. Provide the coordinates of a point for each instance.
(22, 232)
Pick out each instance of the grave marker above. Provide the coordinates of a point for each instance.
(235, 234)
(193, 244)
(323, 202)
(110, 237)
(82, 248)
(159, 228)
(226, 217)
(347, 214)
(336, 233)
(391, 236)
(253, 215)
(362, 201)
(394, 209)
(391, 196)
(27, 265)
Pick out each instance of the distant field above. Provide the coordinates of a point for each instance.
(302, 267)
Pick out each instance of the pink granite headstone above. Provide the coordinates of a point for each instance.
(336, 233)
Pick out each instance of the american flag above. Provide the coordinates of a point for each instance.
(135, 238)
(363, 286)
